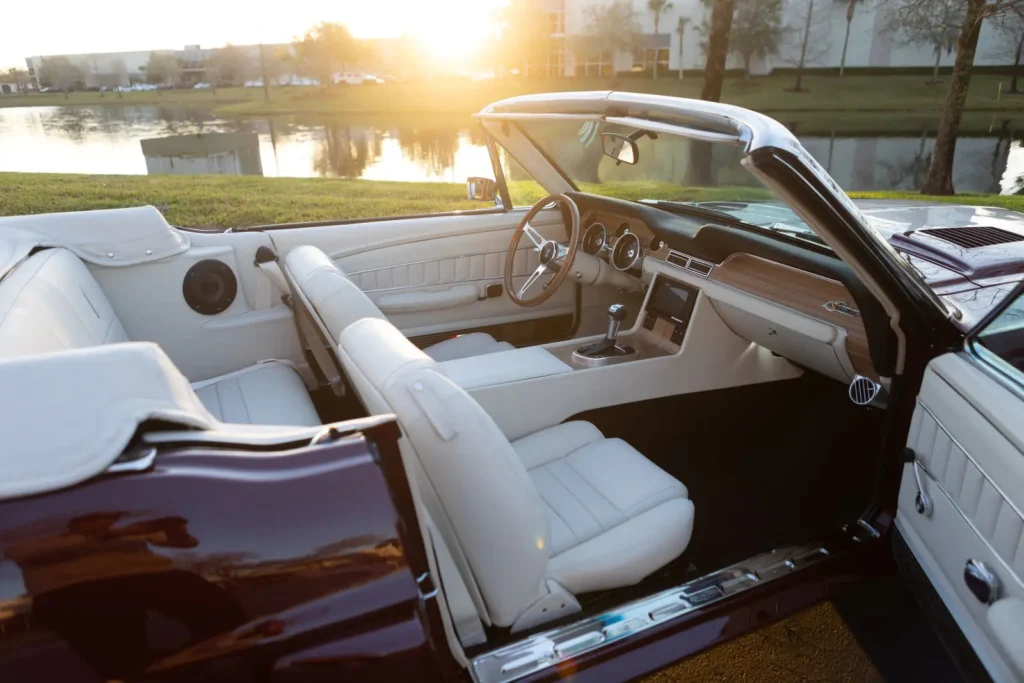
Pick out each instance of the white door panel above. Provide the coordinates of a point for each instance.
(967, 433)
(429, 275)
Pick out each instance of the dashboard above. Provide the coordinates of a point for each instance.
(798, 302)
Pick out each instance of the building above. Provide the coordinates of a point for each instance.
(870, 45)
(122, 69)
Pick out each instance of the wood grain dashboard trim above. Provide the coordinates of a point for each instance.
(801, 291)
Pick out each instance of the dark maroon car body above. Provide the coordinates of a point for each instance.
(306, 563)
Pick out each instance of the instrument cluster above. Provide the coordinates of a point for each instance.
(622, 247)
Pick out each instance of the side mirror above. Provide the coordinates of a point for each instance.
(620, 148)
(481, 189)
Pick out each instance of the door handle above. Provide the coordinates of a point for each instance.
(981, 581)
(922, 501)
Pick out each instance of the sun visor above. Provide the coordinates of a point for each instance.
(68, 416)
(108, 237)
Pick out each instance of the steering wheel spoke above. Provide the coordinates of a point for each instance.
(534, 276)
(534, 236)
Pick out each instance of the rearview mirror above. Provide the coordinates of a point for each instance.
(620, 148)
(481, 189)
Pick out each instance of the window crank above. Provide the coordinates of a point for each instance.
(922, 501)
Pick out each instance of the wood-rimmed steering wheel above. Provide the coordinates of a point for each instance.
(555, 257)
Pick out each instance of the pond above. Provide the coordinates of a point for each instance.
(152, 139)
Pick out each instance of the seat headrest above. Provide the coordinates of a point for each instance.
(379, 350)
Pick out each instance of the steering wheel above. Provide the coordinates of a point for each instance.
(555, 257)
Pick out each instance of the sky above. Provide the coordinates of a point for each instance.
(450, 27)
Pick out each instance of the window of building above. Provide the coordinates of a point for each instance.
(598, 64)
(644, 59)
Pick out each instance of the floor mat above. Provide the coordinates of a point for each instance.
(764, 463)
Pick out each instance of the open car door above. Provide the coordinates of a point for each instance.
(962, 493)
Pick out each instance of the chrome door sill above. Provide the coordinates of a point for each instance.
(551, 648)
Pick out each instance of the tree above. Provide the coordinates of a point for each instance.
(812, 37)
(717, 49)
(1010, 41)
(611, 28)
(19, 77)
(657, 7)
(933, 22)
(681, 30)
(522, 44)
(325, 50)
(851, 8)
(756, 30)
(232, 65)
(163, 67)
(60, 73)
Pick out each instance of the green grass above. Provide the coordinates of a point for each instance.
(222, 202)
(770, 94)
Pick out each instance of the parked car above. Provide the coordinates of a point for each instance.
(425, 448)
(349, 78)
(201, 86)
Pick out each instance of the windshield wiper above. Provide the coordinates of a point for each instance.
(795, 233)
(690, 207)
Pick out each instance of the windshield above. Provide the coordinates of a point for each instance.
(669, 168)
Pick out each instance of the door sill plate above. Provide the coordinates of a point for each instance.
(551, 648)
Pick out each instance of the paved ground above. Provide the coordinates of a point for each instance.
(875, 633)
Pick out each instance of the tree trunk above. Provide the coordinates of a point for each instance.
(940, 172)
(683, 33)
(846, 41)
(938, 60)
(718, 50)
(746, 66)
(803, 48)
(657, 20)
(263, 74)
(1016, 65)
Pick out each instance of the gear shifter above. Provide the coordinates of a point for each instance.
(606, 351)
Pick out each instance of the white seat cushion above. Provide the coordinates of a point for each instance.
(266, 394)
(614, 516)
(466, 346)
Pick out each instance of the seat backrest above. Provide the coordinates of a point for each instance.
(471, 481)
(51, 302)
(336, 300)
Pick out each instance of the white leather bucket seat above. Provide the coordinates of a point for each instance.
(339, 302)
(529, 524)
(51, 303)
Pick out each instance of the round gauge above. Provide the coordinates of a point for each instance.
(594, 239)
(622, 229)
(626, 253)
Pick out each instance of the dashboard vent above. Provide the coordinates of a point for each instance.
(702, 268)
(974, 236)
(691, 264)
(863, 390)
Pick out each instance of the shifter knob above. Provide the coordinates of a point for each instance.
(616, 314)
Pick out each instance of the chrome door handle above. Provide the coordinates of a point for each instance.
(982, 581)
(922, 501)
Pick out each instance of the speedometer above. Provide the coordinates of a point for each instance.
(626, 253)
(594, 239)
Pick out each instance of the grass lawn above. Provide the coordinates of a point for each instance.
(222, 202)
(460, 96)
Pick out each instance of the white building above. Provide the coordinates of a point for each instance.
(869, 45)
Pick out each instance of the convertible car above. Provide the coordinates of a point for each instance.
(690, 390)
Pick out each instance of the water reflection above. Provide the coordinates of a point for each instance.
(204, 154)
(107, 140)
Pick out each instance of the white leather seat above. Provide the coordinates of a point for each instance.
(613, 515)
(52, 303)
(530, 524)
(338, 303)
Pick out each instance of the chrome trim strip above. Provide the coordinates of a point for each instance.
(139, 462)
(434, 260)
(554, 647)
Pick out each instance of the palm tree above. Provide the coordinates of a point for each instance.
(851, 7)
(657, 7)
(681, 30)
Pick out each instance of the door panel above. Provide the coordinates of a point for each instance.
(967, 434)
(430, 275)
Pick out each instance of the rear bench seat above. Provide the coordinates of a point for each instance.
(51, 303)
